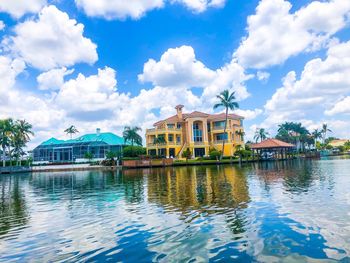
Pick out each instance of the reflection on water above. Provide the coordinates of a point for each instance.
(269, 212)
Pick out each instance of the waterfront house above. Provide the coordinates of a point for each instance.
(75, 150)
(196, 131)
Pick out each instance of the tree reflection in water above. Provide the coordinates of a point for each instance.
(13, 209)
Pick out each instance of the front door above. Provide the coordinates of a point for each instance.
(172, 152)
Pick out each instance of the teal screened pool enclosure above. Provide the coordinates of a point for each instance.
(75, 150)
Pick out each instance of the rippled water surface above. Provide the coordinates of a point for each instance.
(273, 212)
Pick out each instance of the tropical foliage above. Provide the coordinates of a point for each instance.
(260, 134)
(241, 134)
(130, 134)
(227, 100)
(134, 151)
(295, 133)
(14, 136)
(71, 131)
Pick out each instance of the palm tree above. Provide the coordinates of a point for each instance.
(261, 134)
(227, 100)
(241, 134)
(159, 140)
(71, 130)
(6, 130)
(130, 134)
(316, 134)
(324, 132)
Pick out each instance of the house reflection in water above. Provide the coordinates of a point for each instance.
(207, 189)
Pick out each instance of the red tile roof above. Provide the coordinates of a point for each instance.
(271, 143)
(198, 114)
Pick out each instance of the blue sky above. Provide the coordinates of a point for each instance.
(120, 63)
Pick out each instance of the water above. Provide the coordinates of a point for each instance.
(273, 212)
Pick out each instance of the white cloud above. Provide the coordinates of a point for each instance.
(121, 9)
(200, 5)
(263, 76)
(2, 25)
(52, 40)
(177, 67)
(97, 96)
(342, 106)
(322, 89)
(118, 9)
(275, 34)
(53, 79)
(18, 8)
(249, 114)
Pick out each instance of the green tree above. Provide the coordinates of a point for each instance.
(134, 151)
(324, 131)
(227, 100)
(187, 154)
(159, 140)
(316, 134)
(261, 134)
(130, 134)
(241, 134)
(71, 130)
(89, 156)
(22, 130)
(6, 132)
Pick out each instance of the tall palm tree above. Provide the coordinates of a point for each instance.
(130, 135)
(227, 100)
(22, 130)
(316, 134)
(241, 134)
(6, 131)
(324, 131)
(71, 130)
(261, 134)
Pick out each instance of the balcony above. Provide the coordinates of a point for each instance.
(221, 141)
(218, 128)
(163, 130)
(164, 144)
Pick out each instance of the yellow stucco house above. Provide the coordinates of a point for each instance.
(197, 131)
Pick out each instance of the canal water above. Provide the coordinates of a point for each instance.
(295, 211)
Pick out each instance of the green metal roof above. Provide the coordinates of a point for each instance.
(106, 137)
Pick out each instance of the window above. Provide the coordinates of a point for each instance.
(219, 124)
(170, 137)
(178, 139)
(221, 136)
(171, 126)
(197, 133)
(208, 127)
(179, 126)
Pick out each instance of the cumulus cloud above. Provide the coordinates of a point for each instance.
(179, 68)
(322, 89)
(275, 34)
(263, 76)
(342, 106)
(249, 114)
(199, 6)
(52, 40)
(121, 9)
(53, 79)
(118, 9)
(18, 8)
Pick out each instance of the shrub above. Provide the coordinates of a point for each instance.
(134, 151)
(214, 155)
(187, 154)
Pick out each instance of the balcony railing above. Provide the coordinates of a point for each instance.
(217, 128)
(221, 141)
(163, 130)
(162, 144)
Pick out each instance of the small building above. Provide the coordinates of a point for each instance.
(338, 142)
(197, 131)
(276, 147)
(75, 150)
